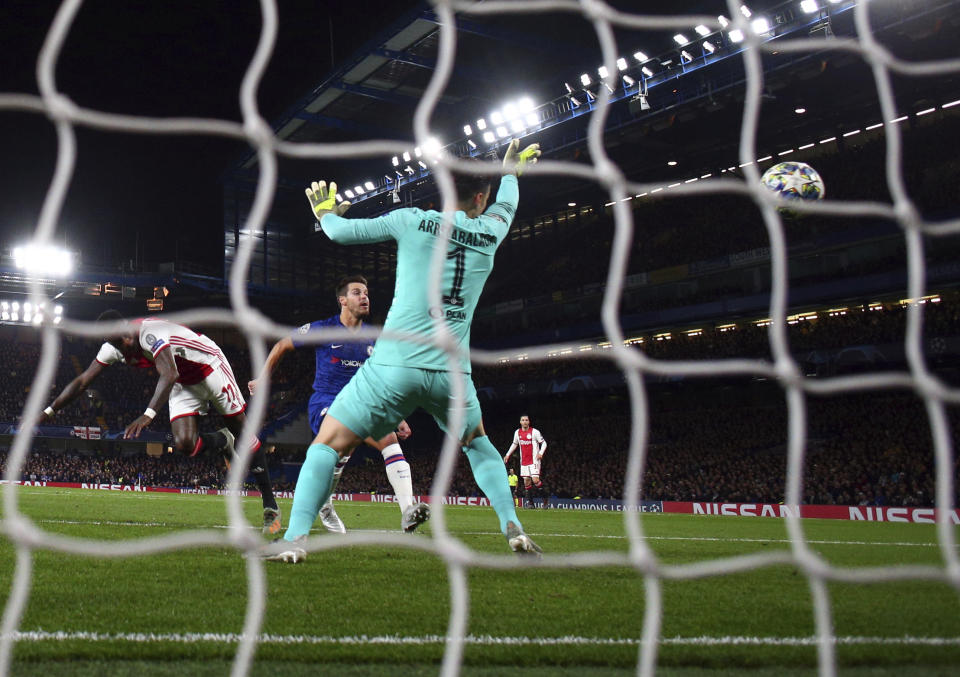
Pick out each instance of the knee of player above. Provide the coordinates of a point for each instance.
(184, 445)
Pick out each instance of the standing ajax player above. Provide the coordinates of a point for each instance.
(402, 375)
(193, 375)
(337, 362)
(532, 447)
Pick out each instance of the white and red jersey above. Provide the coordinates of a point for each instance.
(531, 445)
(196, 356)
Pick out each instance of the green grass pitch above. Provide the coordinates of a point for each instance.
(143, 615)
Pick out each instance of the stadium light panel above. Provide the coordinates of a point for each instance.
(395, 161)
(406, 156)
(702, 30)
(517, 125)
(37, 319)
(724, 21)
(736, 35)
(432, 146)
(760, 26)
(575, 102)
(680, 39)
(369, 185)
(671, 163)
(800, 110)
(745, 11)
(532, 119)
(709, 47)
(471, 144)
(591, 97)
(640, 56)
(4, 315)
(603, 72)
(489, 137)
(646, 71)
(57, 319)
(481, 124)
(339, 197)
(422, 164)
(349, 193)
(409, 170)
(43, 259)
(502, 131)
(417, 151)
(525, 104)
(15, 317)
(509, 112)
(359, 190)
(15, 306)
(571, 204)
(809, 6)
(621, 64)
(628, 81)
(496, 117)
(585, 80)
(468, 130)
(686, 56)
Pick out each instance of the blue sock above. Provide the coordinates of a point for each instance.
(491, 476)
(313, 489)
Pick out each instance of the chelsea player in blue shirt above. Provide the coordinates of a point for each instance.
(337, 362)
(400, 375)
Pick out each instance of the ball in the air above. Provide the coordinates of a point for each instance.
(794, 181)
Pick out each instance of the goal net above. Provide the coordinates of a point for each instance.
(602, 18)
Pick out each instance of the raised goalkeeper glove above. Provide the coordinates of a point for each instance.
(323, 201)
(515, 163)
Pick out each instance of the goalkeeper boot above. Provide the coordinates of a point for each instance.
(414, 516)
(330, 519)
(271, 521)
(520, 543)
(291, 552)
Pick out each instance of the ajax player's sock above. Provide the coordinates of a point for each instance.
(312, 491)
(398, 472)
(491, 476)
(261, 473)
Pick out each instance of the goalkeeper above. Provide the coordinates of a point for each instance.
(401, 375)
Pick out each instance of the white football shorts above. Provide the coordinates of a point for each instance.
(219, 389)
(532, 470)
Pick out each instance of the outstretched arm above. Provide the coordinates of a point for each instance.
(323, 203)
(72, 390)
(167, 369)
(280, 348)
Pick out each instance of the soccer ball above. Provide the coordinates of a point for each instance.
(794, 181)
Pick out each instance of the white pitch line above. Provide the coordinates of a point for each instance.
(478, 640)
(778, 541)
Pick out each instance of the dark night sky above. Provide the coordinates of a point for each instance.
(170, 58)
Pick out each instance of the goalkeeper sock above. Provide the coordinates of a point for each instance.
(398, 472)
(491, 476)
(260, 472)
(312, 491)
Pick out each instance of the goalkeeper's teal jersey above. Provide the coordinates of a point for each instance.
(466, 269)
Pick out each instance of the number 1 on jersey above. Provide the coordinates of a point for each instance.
(459, 255)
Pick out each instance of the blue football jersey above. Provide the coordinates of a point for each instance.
(337, 362)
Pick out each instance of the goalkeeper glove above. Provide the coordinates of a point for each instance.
(323, 201)
(515, 163)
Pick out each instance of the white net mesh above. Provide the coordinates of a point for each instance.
(66, 115)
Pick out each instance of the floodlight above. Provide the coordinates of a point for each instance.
(45, 259)
(417, 151)
(687, 56)
(496, 117)
(37, 319)
(646, 71)
(517, 125)
(736, 35)
(571, 204)
(628, 81)
(4, 305)
(709, 47)
(723, 21)
(640, 56)
(702, 30)
(395, 161)
(575, 102)
(509, 111)
(468, 130)
(489, 137)
(809, 6)
(760, 26)
(526, 104)
(621, 64)
(481, 124)
(16, 306)
(585, 80)
(800, 111)
(432, 146)
(339, 197)
(590, 96)
(471, 144)
(359, 190)
(57, 319)
(348, 193)
(745, 11)
(422, 164)
(4, 315)
(671, 163)
(369, 185)
(502, 131)
(533, 119)
(603, 72)
(680, 39)
(406, 156)
(409, 170)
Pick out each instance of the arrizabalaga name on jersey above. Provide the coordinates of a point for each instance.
(460, 236)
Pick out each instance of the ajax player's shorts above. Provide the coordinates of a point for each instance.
(379, 396)
(532, 470)
(218, 389)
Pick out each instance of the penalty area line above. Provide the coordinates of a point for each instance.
(476, 640)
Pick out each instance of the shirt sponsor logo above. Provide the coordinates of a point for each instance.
(304, 329)
(156, 345)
